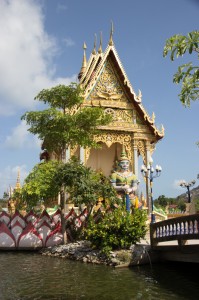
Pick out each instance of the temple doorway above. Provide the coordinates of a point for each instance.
(104, 158)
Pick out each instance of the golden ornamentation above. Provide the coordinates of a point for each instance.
(124, 115)
(73, 150)
(108, 86)
(110, 111)
(139, 96)
(141, 149)
(110, 138)
(120, 115)
(87, 154)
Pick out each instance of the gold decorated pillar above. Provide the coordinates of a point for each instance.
(135, 160)
(82, 155)
(67, 156)
(148, 196)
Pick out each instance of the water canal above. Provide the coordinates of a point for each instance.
(25, 275)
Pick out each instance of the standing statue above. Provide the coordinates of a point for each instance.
(12, 206)
(124, 181)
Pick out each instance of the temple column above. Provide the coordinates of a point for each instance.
(148, 195)
(135, 160)
(82, 155)
(67, 154)
(135, 165)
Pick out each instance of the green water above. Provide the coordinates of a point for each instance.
(33, 276)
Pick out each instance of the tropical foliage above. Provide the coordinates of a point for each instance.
(66, 122)
(118, 229)
(187, 74)
(40, 185)
(163, 202)
(84, 184)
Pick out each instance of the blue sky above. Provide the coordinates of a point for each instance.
(41, 46)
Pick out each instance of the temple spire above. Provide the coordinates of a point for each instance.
(18, 185)
(94, 48)
(84, 62)
(111, 35)
(100, 46)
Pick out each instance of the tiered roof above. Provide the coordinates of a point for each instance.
(113, 95)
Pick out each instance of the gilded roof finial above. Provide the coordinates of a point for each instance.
(111, 35)
(162, 130)
(94, 48)
(18, 185)
(100, 46)
(153, 117)
(84, 62)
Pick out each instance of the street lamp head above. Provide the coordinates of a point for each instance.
(185, 184)
(158, 168)
(143, 169)
(182, 183)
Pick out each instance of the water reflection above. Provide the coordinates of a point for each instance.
(32, 276)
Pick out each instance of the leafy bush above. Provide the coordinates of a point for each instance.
(118, 229)
(196, 204)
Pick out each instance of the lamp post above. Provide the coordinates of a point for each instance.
(149, 173)
(188, 185)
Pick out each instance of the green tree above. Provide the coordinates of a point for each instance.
(66, 122)
(161, 201)
(84, 185)
(181, 205)
(187, 74)
(40, 184)
(196, 204)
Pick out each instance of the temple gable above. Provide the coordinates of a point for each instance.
(108, 86)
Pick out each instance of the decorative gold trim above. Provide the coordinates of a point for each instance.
(141, 149)
(87, 154)
(109, 138)
(73, 150)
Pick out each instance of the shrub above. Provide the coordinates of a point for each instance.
(117, 230)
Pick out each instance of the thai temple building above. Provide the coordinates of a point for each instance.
(132, 131)
(106, 84)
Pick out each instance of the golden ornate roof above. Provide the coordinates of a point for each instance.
(106, 84)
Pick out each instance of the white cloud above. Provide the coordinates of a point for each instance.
(61, 7)
(68, 42)
(20, 138)
(26, 55)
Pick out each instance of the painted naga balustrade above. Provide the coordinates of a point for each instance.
(34, 231)
(178, 229)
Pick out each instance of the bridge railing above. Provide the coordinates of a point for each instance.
(180, 229)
